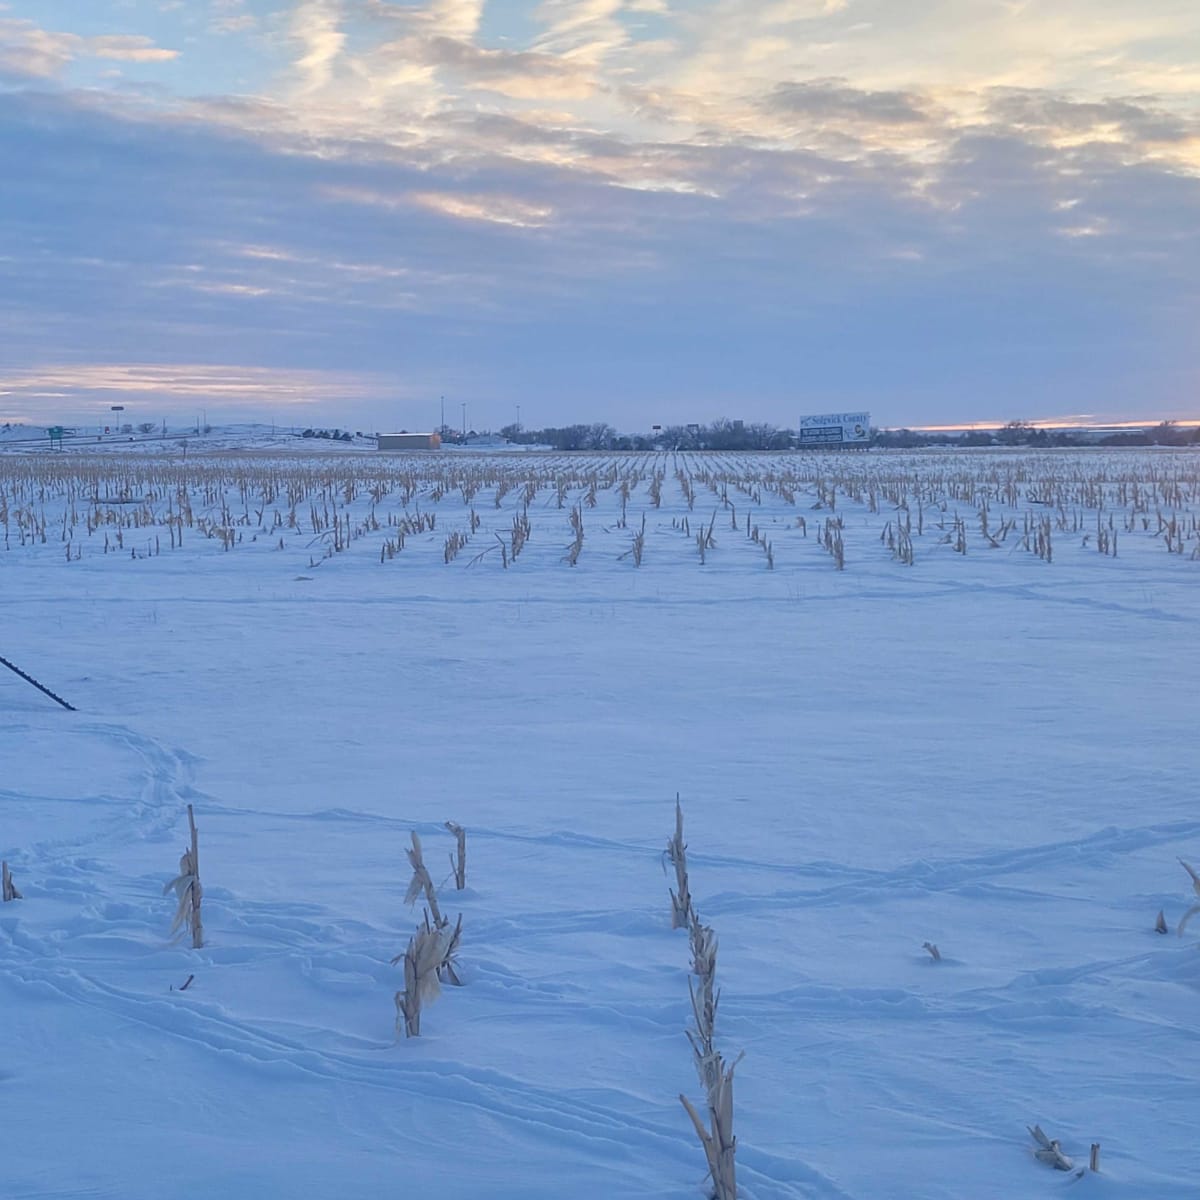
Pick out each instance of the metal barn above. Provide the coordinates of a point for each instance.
(408, 441)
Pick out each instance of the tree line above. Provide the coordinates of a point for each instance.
(726, 434)
(1023, 433)
(722, 434)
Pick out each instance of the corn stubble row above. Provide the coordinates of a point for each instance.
(487, 509)
(431, 960)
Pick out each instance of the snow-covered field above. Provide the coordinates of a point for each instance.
(993, 751)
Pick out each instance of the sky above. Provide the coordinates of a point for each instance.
(356, 212)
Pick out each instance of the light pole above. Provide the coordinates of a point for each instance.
(464, 408)
(442, 426)
(518, 418)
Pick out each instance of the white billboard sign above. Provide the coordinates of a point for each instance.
(836, 429)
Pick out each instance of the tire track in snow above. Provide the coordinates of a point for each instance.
(933, 874)
(1043, 594)
(1024, 999)
(555, 1115)
(918, 593)
(949, 875)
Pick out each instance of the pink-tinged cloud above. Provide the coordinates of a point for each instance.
(128, 49)
(147, 386)
(26, 50)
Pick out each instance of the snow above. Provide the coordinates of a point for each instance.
(987, 751)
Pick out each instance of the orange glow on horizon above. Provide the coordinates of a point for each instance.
(1067, 423)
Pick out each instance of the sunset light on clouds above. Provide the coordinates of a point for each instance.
(637, 211)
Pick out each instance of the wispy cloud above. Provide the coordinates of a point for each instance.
(127, 48)
(491, 209)
(30, 51)
(148, 385)
(521, 74)
(316, 25)
(497, 210)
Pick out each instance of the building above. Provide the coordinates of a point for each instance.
(407, 441)
(1095, 435)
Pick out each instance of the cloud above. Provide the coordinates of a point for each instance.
(521, 74)
(456, 18)
(27, 51)
(235, 23)
(316, 25)
(676, 220)
(498, 210)
(1144, 128)
(230, 16)
(492, 209)
(148, 387)
(834, 99)
(127, 48)
(585, 31)
(788, 12)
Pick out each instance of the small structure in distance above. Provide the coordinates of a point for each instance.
(408, 441)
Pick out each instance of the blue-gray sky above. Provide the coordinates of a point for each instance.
(638, 211)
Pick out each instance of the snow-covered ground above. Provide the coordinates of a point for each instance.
(988, 751)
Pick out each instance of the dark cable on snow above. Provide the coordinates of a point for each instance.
(30, 679)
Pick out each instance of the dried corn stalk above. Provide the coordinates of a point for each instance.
(718, 1140)
(717, 1136)
(421, 882)
(1191, 912)
(576, 547)
(459, 864)
(447, 969)
(1049, 1151)
(422, 959)
(704, 1009)
(681, 899)
(8, 889)
(705, 995)
(703, 943)
(186, 886)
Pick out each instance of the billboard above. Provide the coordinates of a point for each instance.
(836, 429)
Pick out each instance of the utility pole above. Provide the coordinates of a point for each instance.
(518, 418)
(464, 408)
(442, 426)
